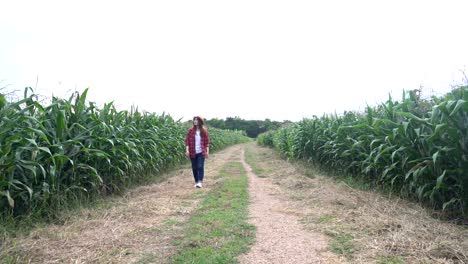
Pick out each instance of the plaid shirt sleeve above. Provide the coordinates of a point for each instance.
(190, 142)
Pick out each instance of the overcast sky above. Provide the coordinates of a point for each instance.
(282, 60)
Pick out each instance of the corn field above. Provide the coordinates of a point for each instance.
(417, 148)
(72, 150)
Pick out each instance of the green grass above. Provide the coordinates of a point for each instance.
(218, 232)
(172, 222)
(251, 159)
(390, 260)
(325, 219)
(11, 260)
(343, 244)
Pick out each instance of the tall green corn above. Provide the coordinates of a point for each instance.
(71, 149)
(418, 148)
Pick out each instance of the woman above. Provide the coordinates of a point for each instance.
(197, 148)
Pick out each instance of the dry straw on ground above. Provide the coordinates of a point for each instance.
(382, 229)
(142, 225)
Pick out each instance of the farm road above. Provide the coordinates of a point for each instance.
(300, 216)
(137, 228)
(280, 237)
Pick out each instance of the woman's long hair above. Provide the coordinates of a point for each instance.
(201, 125)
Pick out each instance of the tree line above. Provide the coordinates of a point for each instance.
(252, 128)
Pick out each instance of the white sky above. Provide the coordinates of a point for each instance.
(253, 59)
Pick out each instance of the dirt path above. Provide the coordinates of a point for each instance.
(280, 238)
(359, 226)
(300, 215)
(137, 228)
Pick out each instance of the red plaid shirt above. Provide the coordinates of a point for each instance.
(190, 142)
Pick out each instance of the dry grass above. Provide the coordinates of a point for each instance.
(370, 227)
(364, 227)
(138, 227)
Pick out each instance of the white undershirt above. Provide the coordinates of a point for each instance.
(198, 148)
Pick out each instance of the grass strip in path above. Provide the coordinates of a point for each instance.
(218, 232)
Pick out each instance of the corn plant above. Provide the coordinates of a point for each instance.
(71, 149)
(418, 148)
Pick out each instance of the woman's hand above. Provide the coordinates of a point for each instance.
(187, 154)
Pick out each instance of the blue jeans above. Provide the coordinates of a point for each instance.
(198, 167)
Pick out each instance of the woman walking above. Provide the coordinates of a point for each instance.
(197, 148)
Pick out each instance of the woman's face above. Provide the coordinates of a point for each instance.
(195, 122)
